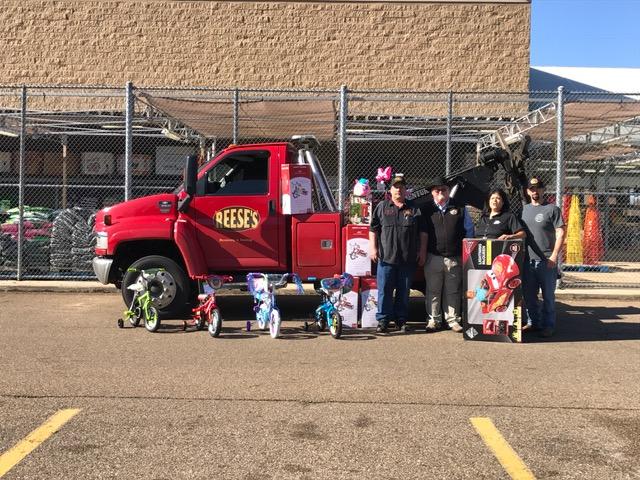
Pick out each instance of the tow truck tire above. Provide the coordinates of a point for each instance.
(178, 282)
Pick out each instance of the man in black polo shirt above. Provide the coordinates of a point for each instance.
(447, 225)
(397, 241)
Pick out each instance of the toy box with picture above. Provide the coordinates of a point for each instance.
(355, 248)
(492, 281)
(347, 305)
(296, 189)
(369, 302)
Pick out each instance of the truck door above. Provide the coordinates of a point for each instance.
(236, 212)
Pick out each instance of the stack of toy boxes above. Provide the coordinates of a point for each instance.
(296, 189)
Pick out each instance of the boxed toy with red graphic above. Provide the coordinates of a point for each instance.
(492, 281)
(348, 305)
(355, 246)
(296, 189)
(369, 302)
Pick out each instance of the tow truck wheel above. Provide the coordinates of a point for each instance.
(169, 285)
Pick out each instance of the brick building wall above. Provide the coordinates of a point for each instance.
(434, 46)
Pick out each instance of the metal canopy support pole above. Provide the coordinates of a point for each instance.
(560, 157)
(449, 121)
(128, 142)
(236, 110)
(607, 207)
(23, 134)
(65, 172)
(342, 145)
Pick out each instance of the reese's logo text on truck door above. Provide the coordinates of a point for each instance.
(236, 218)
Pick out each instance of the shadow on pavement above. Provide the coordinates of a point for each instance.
(577, 323)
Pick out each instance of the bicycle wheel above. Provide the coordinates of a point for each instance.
(335, 326)
(215, 322)
(152, 321)
(274, 323)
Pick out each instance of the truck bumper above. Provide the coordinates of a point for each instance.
(101, 267)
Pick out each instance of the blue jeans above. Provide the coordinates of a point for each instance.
(390, 278)
(537, 276)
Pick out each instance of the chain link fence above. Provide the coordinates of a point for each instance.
(67, 151)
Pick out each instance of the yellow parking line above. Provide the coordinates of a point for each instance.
(509, 459)
(12, 457)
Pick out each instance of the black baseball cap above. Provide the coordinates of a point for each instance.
(535, 182)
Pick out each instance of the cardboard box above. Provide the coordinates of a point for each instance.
(369, 302)
(355, 248)
(5, 162)
(52, 164)
(296, 188)
(170, 159)
(492, 284)
(97, 163)
(348, 306)
(140, 164)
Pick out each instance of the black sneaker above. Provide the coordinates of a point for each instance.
(403, 328)
(381, 328)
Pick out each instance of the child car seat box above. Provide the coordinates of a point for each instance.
(355, 248)
(348, 305)
(369, 302)
(296, 189)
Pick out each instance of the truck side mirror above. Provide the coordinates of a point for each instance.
(190, 175)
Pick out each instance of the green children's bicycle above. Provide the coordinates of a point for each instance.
(141, 307)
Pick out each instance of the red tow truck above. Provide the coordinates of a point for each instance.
(226, 218)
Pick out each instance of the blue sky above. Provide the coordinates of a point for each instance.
(585, 33)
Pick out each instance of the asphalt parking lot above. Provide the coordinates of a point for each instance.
(180, 404)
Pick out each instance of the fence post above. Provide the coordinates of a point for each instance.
(23, 133)
(128, 142)
(449, 121)
(236, 110)
(560, 161)
(342, 145)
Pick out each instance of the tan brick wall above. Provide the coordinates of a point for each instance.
(424, 46)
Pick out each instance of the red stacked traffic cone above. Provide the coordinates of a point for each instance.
(592, 243)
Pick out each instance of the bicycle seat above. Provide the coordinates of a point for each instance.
(136, 287)
(339, 283)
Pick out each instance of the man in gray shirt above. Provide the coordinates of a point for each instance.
(545, 236)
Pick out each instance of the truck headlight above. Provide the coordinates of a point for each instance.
(102, 240)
